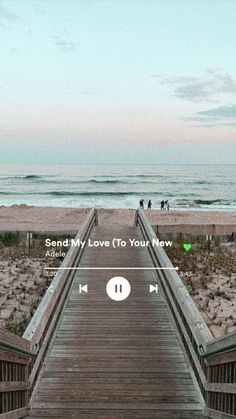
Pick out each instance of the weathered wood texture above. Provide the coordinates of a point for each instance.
(21, 358)
(113, 359)
(213, 360)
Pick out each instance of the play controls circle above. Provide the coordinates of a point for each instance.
(118, 288)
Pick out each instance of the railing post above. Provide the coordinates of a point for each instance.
(96, 216)
(15, 358)
(136, 218)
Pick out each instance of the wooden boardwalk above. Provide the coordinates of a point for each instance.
(111, 359)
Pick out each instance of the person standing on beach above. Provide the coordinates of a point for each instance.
(167, 205)
(141, 203)
(149, 204)
(162, 204)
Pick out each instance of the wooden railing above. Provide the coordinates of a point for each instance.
(220, 359)
(213, 360)
(15, 362)
(21, 358)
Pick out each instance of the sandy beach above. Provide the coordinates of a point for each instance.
(29, 218)
(23, 281)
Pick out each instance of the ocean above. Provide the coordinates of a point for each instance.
(195, 187)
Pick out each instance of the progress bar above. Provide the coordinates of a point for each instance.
(174, 268)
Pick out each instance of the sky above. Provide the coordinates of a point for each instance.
(94, 81)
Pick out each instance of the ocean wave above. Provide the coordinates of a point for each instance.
(190, 182)
(192, 200)
(130, 175)
(205, 202)
(109, 178)
(66, 193)
(22, 177)
(81, 180)
(83, 193)
(33, 177)
(88, 181)
(108, 181)
(210, 201)
(111, 181)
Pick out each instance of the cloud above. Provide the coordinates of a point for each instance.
(207, 88)
(63, 44)
(6, 16)
(221, 115)
(228, 111)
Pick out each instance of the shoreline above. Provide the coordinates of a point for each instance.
(172, 208)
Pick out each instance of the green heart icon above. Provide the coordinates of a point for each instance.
(187, 246)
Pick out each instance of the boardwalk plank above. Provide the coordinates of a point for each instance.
(115, 359)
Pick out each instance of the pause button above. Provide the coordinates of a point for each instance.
(118, 288)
